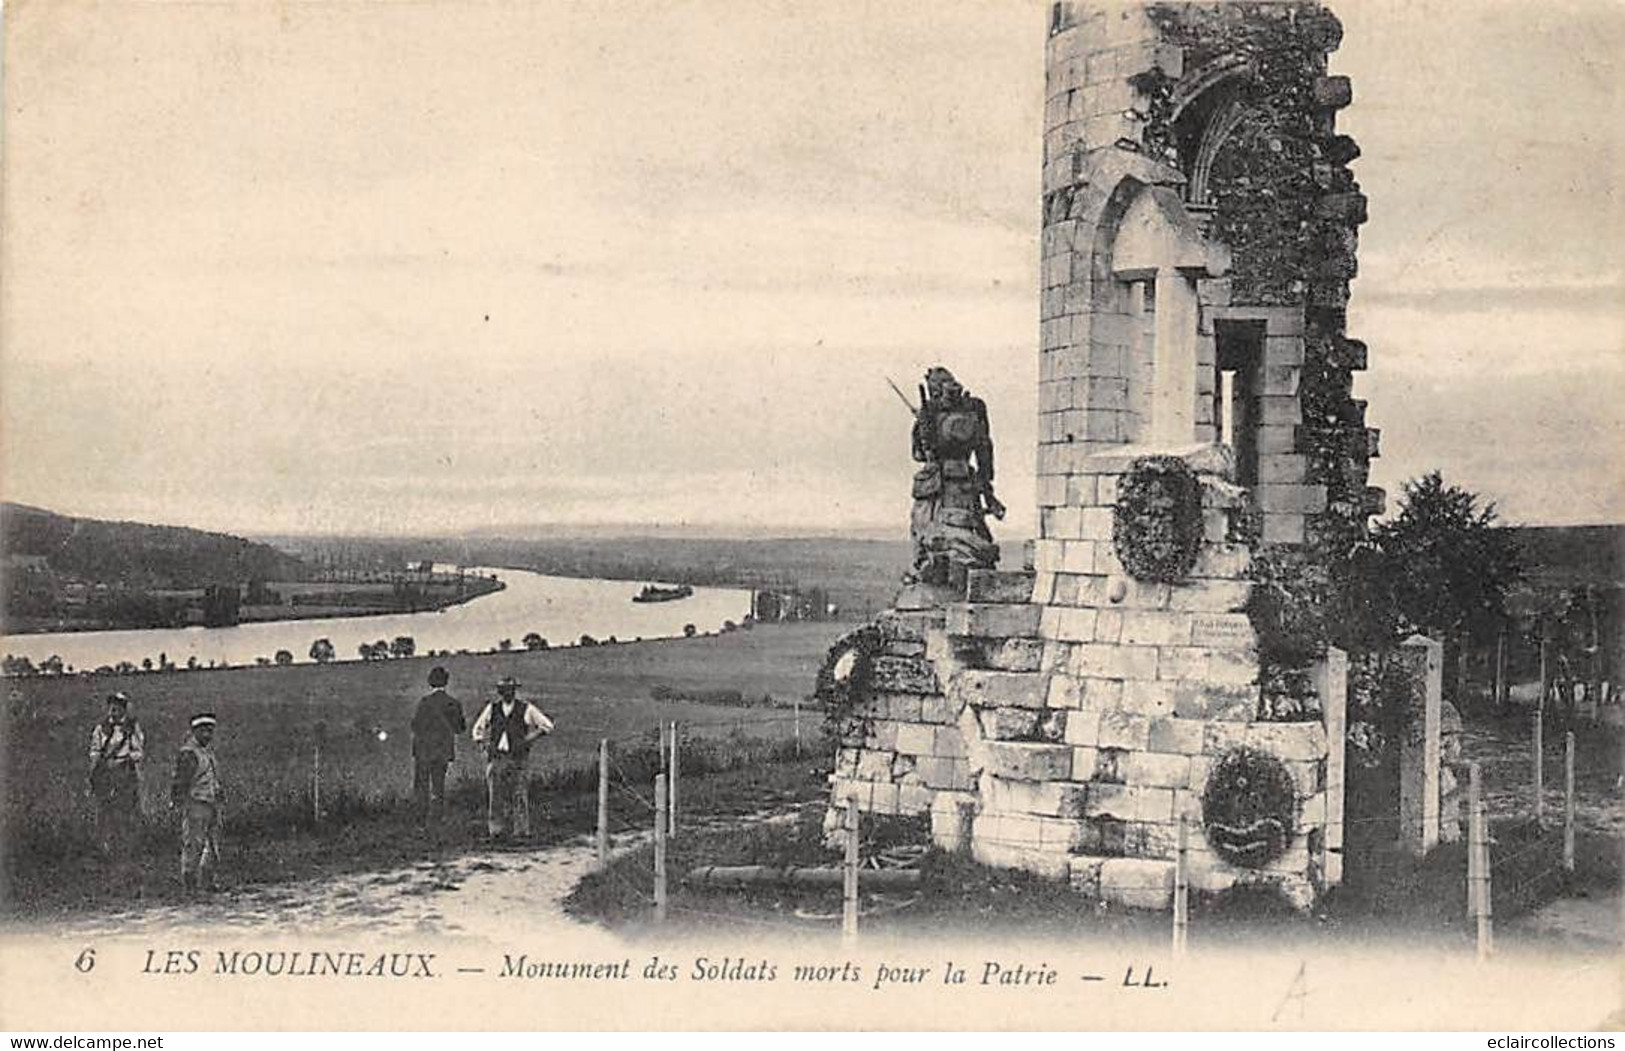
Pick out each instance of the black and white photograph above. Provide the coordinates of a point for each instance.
(699, 515)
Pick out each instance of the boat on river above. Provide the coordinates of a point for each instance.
(656, 593)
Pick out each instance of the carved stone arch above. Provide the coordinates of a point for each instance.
(1220, 123)
(1206, 106)
(1106, 292)
(1209, 75)
(1109, 295)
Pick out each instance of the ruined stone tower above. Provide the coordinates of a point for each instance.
(1198, 444)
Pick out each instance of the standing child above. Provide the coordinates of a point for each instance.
(197, 794)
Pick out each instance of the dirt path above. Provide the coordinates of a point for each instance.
(474, 895)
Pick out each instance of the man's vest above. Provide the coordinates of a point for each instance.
(514, 726)
(117, 741)
(205, 786)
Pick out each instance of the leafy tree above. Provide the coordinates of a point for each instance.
(1442, 567)
(51, 665)
(689, 631)
(403, 646)
(1447, 566)
(321, 651)
(505, 645)
(18, 666)
(534, 641)
(283, 657)
(146, 663)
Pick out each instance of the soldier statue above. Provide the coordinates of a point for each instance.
(953, 491)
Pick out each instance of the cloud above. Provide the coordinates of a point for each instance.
(1443, 336)
(1547, 447)
(347, 266)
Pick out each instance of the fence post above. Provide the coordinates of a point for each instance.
(1181, 891)
(1568, 801)
(1464, 643)
(316, 783)
(672, 811)
(797, 705)
(660, 848)
(1540, 769)
(1545, 683)
(1501, 668)
(603, 802)
(1486, 921)
(849, 905)
(1475, 875)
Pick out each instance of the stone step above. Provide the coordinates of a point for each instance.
(1036, 725)
(981, 688)
(1029, 760)
(999, 586)
(927, 597)
(912, 675)
(1139, 883)
(911, 625)
(999, 654)
(994, 620)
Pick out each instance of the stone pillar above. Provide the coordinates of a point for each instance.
(1332, 686)
(1419, 751)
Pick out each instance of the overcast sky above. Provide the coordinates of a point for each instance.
(426, 267)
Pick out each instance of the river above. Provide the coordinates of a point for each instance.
(560, 609)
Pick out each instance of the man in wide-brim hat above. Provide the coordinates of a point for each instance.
(506, 729)
(197, 794)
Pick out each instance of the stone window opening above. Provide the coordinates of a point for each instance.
(1237, 411)
(1156, 254)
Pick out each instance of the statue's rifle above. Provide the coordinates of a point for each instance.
(902, 397)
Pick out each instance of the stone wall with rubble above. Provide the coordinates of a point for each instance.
(1199, 217)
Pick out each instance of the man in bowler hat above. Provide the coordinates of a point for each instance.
(435, 726)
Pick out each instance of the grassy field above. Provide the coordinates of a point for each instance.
(270, 720)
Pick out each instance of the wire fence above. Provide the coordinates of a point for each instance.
(1525, 865)
(642, 803)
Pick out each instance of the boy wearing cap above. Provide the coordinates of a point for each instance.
(435, 726)
(197, 794)
(117, 747)
(506, 729)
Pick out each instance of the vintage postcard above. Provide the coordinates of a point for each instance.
(1086, 516)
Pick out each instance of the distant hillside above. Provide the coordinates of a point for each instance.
(1566, 556)
(137, 555)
